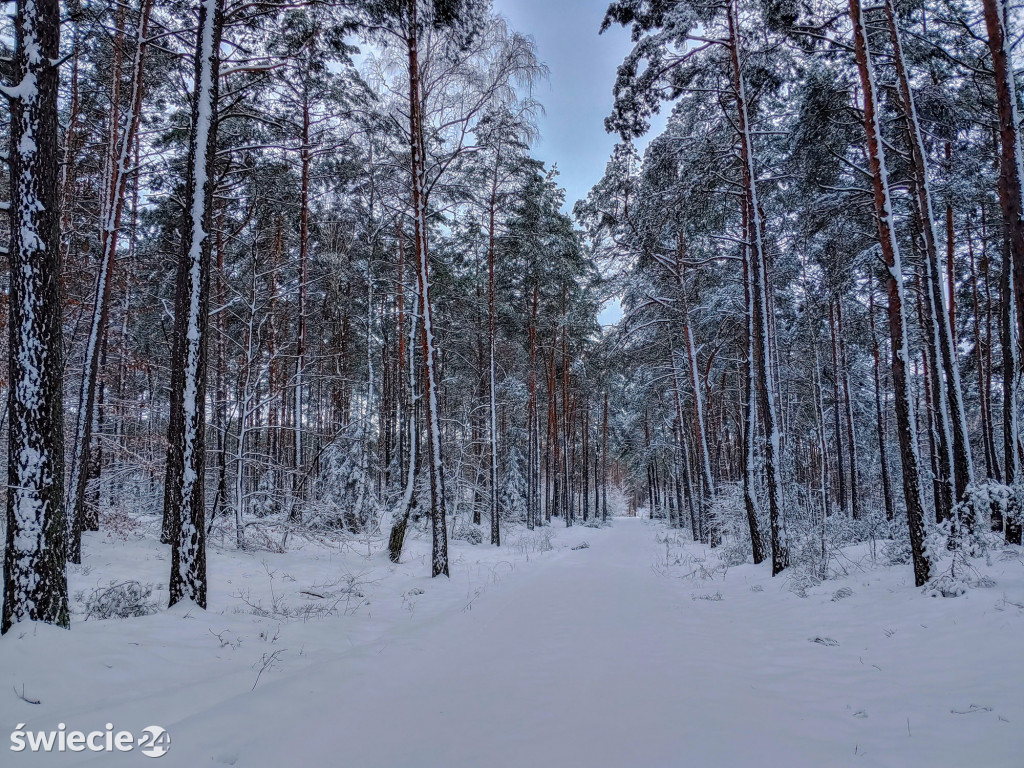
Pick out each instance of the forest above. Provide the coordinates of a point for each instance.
(283, 274)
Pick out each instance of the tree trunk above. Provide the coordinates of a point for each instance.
(750, 502)
(396, 540)
(883, 458)
(837, 421)
(1012, 525)
(566, 431)
(533, 425)
(851, 433)
(35, 583)
(819, 418)
(1010, 172)
(491, 372)
(439, 554)
(220, 403)
(604, 461)
(185, 497)
(299, 466)
(936, 409)
(248, 397)
(986, 263)
(759, 288)
(991, 466)
(700, 422)
(897, 316)
(585, 428)
(950, 397)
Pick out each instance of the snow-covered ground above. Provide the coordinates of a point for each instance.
(631, 652)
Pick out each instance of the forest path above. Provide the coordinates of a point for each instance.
(567, 662)
(604, 657)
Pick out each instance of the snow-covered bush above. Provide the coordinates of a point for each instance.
(986, 501)
(122, 524)
(123, 600)
(817, 542)
(729, 515)
(946, 584)
(897, 549)
(342, 499)
(544, 540)
(513, 489)
(527, 542)
(799, 580)
(466, 531)
(268, 496)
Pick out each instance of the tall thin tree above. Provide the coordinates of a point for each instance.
(185, 494)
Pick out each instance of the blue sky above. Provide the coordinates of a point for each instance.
(578, 95)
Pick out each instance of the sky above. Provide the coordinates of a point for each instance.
(578, 94)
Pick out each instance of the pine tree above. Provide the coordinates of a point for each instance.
(185, 487)
(905, 424)
(35, 581)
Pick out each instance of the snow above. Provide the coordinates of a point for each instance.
(534, 653)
